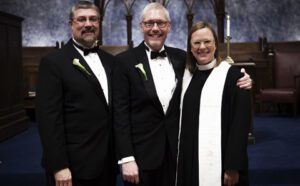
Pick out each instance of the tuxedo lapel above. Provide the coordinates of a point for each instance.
(92, 79)
(148, 82)
(175, 63)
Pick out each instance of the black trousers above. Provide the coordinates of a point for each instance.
(162, 176)
(105, 179)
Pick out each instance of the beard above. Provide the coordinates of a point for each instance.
(88, 38)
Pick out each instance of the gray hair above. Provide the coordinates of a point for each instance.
(83, 5)
(154, 5)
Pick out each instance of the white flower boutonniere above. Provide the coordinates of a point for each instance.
(80, 67)
(142, 70)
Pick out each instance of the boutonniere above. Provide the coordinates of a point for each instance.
(77, 64)
(142, 70)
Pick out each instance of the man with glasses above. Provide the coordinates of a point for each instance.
(147, 85)
(146, 104)
(74, 107)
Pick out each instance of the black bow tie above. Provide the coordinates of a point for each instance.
(86, 51)
(154, 55)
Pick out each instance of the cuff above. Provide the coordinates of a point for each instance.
(126, 160)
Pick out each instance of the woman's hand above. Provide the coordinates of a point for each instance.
(231, 177)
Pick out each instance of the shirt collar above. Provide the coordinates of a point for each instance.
(207, 66)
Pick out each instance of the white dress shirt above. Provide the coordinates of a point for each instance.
(164, 78)
(94, 62)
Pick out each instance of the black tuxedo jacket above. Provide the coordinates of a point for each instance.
(141, 128)
(73, 117)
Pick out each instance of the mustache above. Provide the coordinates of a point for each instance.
(89, 30)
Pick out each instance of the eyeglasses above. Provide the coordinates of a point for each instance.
(207, 43)
(83, 20)
(150, 24)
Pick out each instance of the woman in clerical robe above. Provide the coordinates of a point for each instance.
(214, 117)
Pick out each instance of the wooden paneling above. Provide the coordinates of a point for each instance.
(247, 52)
(13, 118)
(31, 58)
(287, 46)
(262, 57)
(250, 52)
(114, 49)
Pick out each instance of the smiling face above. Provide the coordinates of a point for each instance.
(85, 26)
(203, 45)
(155, 26)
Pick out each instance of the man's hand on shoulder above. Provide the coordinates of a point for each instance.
(244, 82)
(63, 177)
(130, 172)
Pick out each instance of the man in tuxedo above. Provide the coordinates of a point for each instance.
(147, 85)
(74, 106)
